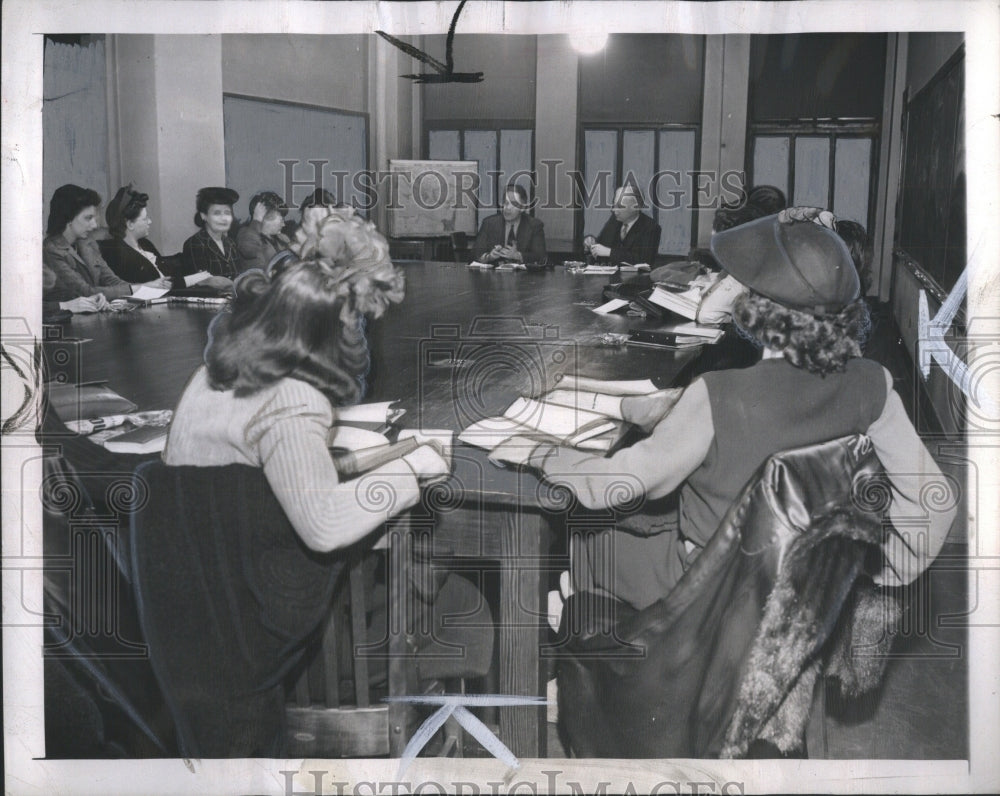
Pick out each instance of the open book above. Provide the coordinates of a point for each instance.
(580, 412)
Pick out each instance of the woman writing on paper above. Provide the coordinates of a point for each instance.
(277, 370)
(804, 308)
(261, 238)
(292, 351)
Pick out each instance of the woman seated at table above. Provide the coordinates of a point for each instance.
(210, 248)
(128, 252)
(804, 308)
(51, 308)
(277, 368)
(313, 210)
(72, 254)
(262, 238)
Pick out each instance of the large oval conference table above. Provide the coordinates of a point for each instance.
(462, 346)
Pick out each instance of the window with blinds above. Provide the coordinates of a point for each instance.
(659, 160)
(504, 155)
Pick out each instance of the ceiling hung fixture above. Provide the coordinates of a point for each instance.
(588, 43)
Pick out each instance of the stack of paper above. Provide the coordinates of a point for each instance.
(710, 334)
(685, 302)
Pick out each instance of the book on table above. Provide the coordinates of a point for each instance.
(145, 439)
(684, 302)
(76, 402)
(363, 437)
(578, 412)
(681, 335)
(381, 417)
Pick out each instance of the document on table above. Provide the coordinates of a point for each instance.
(147, 293)
(607, 386)
(611, 306)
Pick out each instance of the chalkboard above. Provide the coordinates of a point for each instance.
(432, 198)
(931, 223)
(292, 149)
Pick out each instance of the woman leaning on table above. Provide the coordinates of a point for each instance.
(71, 253)
(804, 308)
(277, 368)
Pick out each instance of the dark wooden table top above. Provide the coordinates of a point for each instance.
(462, 346)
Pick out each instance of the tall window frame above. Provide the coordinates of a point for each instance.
(832, 131)
(490, 194)
(658, 166)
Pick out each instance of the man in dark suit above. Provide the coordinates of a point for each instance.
(630, 236)
(511, 235)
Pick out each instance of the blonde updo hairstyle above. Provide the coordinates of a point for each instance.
(305, 317)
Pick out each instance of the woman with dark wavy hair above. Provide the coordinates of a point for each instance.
(804, 309)
(276, 370)
(71, 252)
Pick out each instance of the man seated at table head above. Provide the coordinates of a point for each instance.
(629, 236)
(511, 235)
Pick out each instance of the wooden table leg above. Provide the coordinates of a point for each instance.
(400, 552)
(521, 728)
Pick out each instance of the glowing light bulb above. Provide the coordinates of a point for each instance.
(588, 43)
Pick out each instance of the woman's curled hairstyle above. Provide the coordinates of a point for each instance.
(67, 202)
(306, 319)
(126, 206)
(819, 343)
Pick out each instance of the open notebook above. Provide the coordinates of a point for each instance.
(579, 412)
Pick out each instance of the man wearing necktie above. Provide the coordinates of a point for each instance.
(511, 236)
(629, 236)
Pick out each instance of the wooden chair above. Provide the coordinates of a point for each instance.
(335, 708)
(729, 659)
(460, 247)
(320, 721)
(230, 601)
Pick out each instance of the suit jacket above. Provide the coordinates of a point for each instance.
(257, 249)
(80, 270)
(639, 246)
(127, 263)
(202, 254)
(530, 237)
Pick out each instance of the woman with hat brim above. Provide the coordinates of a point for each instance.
(210, 248)
(804, 308)
(128, 252)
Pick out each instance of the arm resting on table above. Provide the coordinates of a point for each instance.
(661, 462)
(328, 514)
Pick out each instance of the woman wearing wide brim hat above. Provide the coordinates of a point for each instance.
(803, 308)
